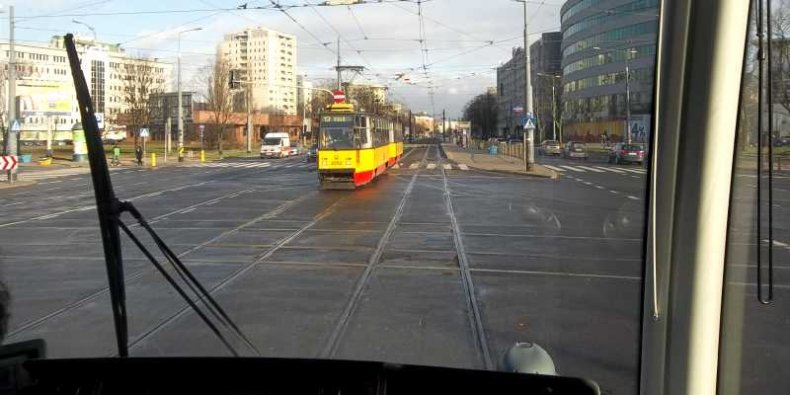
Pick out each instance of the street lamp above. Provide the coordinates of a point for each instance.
(554, 77)
(529, 134)
(628, 53)
(180, 109)
(89, 28)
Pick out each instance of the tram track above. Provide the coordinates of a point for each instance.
(473, 307)
(135, 276)
(341, 326)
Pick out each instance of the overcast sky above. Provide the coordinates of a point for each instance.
(465, 39)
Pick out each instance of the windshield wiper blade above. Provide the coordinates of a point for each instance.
(110, 209)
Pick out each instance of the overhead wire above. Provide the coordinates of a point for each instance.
(359, 25)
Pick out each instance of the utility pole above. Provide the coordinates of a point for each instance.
(340, 68)
(249, 111)
(553, 111)
(11, 136)
(180, 105)
(529, 133)
(168, 126)
(627, 97)
(444, 134)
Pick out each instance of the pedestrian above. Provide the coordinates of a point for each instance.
(138, 153)
(116, 155)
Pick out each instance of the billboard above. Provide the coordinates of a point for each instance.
(51, 98)
(640, 128)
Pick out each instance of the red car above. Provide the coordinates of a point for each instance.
(627, 153)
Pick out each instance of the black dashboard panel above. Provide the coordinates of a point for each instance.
(273, 376)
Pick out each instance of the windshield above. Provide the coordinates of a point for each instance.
(427, 224)
(272, 141)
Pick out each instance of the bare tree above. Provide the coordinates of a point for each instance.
(139, 83)
(482, 111)
(220, 98)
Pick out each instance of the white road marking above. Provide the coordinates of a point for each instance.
(553, 168)
(632, 197)
(414, 165)
(463, 167)
(637, 171)
(188, 211)
(591, 169)
(613, 191)
(613, 170)
(573, 169)
(448, 166)
(599, 187)
(588, 183)
(431, 166)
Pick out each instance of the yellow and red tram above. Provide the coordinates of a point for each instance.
(355, 148)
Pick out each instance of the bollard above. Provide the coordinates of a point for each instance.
(202, 156)
(153, 159)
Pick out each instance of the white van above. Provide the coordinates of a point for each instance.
(275, 145)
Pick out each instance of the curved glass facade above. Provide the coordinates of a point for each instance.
(600, 39)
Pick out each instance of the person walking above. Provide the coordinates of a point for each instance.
(138, 153)
(116, 155)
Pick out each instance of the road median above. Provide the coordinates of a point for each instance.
(497, 163)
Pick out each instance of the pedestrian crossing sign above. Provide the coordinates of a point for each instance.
(529, 124)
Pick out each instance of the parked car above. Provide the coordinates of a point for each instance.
(293, 150)
(549, 147)
(782, 141)
(312, 154)
(627, 153)
(575, 149)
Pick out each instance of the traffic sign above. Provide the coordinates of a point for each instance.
(8, 162)
(15, 126)
(202, 127)
(528, 120)
(338, 96)
(529, 124)
(99, 119)
(143, 132)
(518, 109)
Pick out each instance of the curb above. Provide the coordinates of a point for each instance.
(554, 176)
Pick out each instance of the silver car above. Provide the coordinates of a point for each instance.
(575, 149)
(550, 147)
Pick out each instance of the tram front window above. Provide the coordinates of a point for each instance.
(337, 138)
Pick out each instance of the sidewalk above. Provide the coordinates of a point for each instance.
(481, 160)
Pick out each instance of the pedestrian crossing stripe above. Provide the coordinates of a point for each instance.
(448, 166)
(594, 169)
(463, 167)
(49, 174)
(431, 166)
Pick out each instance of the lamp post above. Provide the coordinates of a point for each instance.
(628, 52)
(180, 105)
(554, 77)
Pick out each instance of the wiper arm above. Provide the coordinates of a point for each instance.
(110, 209)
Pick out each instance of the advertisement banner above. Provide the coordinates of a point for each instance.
(42, 100)
(640, 128)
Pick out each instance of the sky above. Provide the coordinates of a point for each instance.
(463, 41)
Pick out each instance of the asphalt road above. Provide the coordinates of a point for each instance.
(431, 265)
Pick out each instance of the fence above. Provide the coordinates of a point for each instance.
(515, 150)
